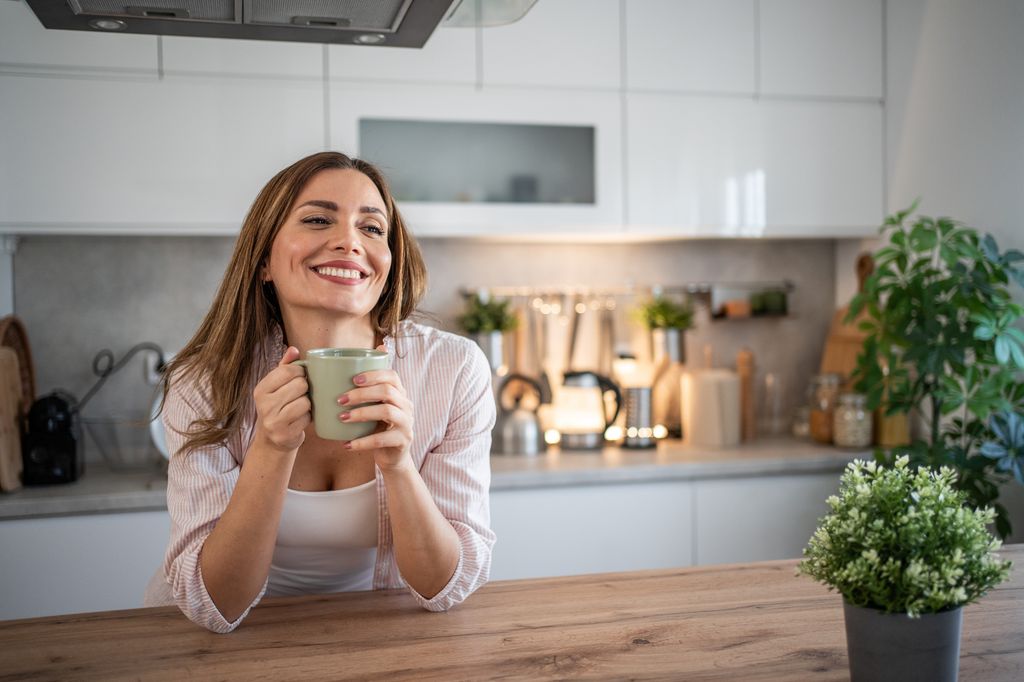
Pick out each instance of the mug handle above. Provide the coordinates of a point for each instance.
(301, 363)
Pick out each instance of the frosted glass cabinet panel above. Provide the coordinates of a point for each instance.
(539, 162)
(498, 162)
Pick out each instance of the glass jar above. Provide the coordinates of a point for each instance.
(852, 424)
(824, 394)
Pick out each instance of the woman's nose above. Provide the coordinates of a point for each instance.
(346, 238)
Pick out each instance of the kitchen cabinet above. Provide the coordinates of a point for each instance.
(176, 156)
(756, 519)
(704, 46)
(549, 531)
(449, 57)
(591, 529)
(72, 564)
(823, 168)
(732, 167)
(242, 58)
(559, 43)
(601, 111)
(27, 47)
(829, 48)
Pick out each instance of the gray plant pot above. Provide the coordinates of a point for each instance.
(893, 646)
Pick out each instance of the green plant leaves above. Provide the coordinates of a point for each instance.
(941, 333)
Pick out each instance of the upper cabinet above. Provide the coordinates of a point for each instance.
(732, 167)
(449, 57)
(245, 58)
(565, 43)
(174, 156)
(830, 48)
(690, 45)
(491, 162)
(27, 47)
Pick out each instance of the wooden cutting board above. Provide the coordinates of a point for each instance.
(10, 420)
(845, 340)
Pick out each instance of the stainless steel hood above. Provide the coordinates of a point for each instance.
(394, 23)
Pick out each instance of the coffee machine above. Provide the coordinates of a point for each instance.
(52, 448)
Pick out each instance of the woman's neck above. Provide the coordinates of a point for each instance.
(312, 329)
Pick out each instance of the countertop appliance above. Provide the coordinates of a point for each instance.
(580, 413)
(517, 431)
(52, 449)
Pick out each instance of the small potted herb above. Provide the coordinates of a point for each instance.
(906, 553)
(485, 320)
(667, 320)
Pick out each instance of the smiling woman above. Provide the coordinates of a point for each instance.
(259, 503)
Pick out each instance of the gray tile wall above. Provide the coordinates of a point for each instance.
(78, 295)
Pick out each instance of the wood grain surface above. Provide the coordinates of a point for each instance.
(754, 621)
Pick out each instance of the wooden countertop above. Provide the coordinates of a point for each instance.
(743, 621)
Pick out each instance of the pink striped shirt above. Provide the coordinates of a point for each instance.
(449, 382)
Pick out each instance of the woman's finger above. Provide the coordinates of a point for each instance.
(379, 441)
(378, 376)
(378, 393)
(381, 412)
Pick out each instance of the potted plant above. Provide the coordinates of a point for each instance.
(667, 321)
(942, 344)
(485, 320)
(906, 554)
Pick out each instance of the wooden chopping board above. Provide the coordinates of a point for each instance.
(845, 340)
(10, 420)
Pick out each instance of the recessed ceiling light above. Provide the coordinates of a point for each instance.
(370, 38)
(107, 24)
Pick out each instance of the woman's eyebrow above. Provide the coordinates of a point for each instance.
(322, 203)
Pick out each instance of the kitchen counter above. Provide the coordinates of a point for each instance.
(732, 622)
(101, 490)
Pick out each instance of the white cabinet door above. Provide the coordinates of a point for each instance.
(449, 57)
(26, 46)
(758, 519)
(419, 103)
(74, 564)
(695, 166)
(823, 168)
(570, 43)
(690, 45)
(246, 58)
(174, 156)
(590, 529)
(821, 47)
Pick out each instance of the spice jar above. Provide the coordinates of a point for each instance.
(852, 422)
(824, 392)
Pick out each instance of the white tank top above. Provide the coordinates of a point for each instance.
(326, 542)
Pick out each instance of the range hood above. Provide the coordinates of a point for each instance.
(394, 23)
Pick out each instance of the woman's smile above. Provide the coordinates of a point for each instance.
(341, 272)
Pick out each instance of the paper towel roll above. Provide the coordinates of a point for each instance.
(711, 407)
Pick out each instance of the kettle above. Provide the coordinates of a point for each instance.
(517, 431)
(579, 410)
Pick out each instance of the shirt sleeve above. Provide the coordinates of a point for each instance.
(199, 487)
(458, 474)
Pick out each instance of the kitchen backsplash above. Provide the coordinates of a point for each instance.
(158, 288)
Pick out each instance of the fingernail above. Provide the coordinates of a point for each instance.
(343, 399)
(345, 416)
(359, 379)
(348, 445)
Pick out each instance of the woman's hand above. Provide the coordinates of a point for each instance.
(282, 406)
(390, 442)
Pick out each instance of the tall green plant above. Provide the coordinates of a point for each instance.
(941, 341)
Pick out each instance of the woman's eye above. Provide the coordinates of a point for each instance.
(375, 229)
(316, 220)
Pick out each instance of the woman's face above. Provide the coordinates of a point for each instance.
(331, 253)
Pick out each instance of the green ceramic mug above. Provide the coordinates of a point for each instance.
(329, 372)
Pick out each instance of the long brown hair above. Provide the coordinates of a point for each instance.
(224, 352)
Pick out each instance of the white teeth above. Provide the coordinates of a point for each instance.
(343, 273)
